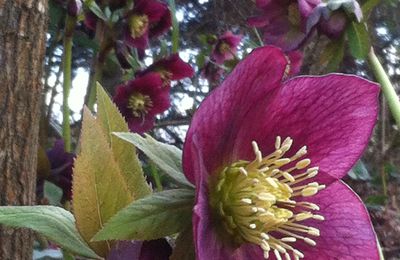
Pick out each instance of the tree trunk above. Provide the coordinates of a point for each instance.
(23, 25)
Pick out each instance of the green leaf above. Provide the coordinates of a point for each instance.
(124, 153)
(92, 5)
(56, 224)
(332, 55)
(53, 193)
(376, 200)
(184, 247)
(156, 216)
(99, 187)
(358, 37)
(167, 157)
(369, 5)
(360, 172)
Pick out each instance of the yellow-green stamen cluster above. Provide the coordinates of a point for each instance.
(138, 25)
(139, 104)
(253, 199)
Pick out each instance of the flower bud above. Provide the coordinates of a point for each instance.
(74, 7)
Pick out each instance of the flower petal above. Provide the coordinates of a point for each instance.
(223, 112)
(346, 232)
(332, 115)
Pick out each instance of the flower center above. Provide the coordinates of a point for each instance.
(224, 48)
(253, 199)
(165, 75)
(139, 104)
(138, 25)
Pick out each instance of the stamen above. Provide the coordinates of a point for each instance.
(257, 198)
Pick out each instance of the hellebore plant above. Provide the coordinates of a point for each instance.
(266, 158)
(141, 99)
(283, 22)
(141, 250)
(61, 164)
(226, 47)
(170, 68)
(148, 18)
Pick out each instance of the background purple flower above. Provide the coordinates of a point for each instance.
(226, 47)
(148, 18)
(139, 100)
(170, 68)
(141, 250)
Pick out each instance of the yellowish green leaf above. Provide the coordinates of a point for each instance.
(99, 187)
(124, 153)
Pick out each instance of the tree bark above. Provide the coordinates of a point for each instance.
(23, 25)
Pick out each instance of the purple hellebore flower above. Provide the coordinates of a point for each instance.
(148, 18)
(141, 250)
(283, 22)
(61, 164)
(139, 100)
(226, 47)
(170, 68)
(262, 197)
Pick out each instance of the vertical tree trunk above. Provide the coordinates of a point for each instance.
(22, 48)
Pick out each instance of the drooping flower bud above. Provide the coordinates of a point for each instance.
(74, 7)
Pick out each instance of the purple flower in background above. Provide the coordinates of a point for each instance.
(331, 18)
(226, 47)
(141, 250)
(141, 99)
(283, 22)
(170, 68)
(262, 197)
(148, 18)
(61, 164)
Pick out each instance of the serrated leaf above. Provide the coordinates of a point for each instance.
(167, 157)
(358, 40)
(124, 153)
(155, 216)
(99, 188)
(56, 224)
(184, 247)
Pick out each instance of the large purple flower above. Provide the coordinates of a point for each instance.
(261, 196)
(226, 47)
(148, 18)
(141, 99)
(283, 22)
(170, 68)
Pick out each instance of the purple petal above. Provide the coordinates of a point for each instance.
(332, 115)
(346, 232)
(125, 250)
(141, 250)
(155, 250)
(223, 112)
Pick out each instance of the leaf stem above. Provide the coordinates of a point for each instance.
(175, 27)
(386, 86)
(67, 80)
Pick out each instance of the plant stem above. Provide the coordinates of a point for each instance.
(67, 64)
(386, 86)
(175, 27)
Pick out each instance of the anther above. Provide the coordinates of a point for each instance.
(309, 241)
(247, 201)
(277, 142)
(303, 164)
(288, 239)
